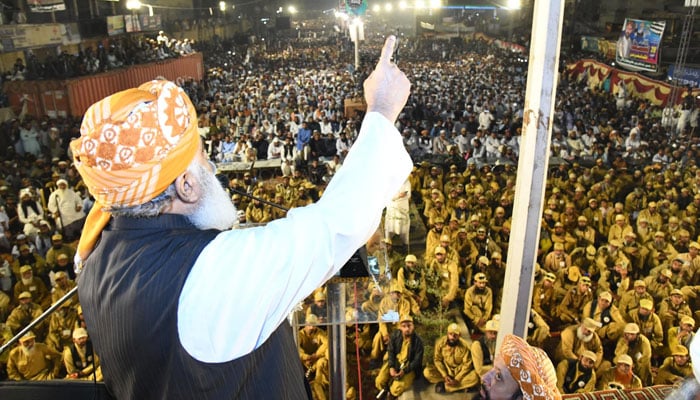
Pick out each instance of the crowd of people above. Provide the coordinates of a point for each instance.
(114, 53)
(615, 302)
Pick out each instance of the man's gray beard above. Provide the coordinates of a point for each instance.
(215, 210)
(28, 351)
(583, 337)
(27, 281)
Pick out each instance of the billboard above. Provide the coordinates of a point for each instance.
(115, 25)
(638, 44)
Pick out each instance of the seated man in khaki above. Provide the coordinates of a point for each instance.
(452, 368)
(32, 361)
(620, 376)
(577, 376)
(403, 362)
(675, 368)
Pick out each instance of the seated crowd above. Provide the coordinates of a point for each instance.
(615, 301)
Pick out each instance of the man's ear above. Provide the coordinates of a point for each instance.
(188, 188)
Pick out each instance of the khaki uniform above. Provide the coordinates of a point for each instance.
(641, 355)
(61, 326)
(570, 308)
(629, 303)
(537, 329)
(40, 294)
(478, 306)
(652, 329)
(671, 314)
(21, 317)
(313, 351)
(656, 289)
(611, 320)
(43, 364)
(553, 262)
(675, 337)
(483, 360)
(402, 307)
(572, 379)
(413, 282)
(448, 279)
(257, 214)
(455, 362)
(545, 301)
(84, 366)
(608, 376)
(57, 293)
(671, 373)
(571, 347)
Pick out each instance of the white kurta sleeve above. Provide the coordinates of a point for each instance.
(246, 282)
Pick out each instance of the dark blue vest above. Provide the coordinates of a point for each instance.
(129, 291)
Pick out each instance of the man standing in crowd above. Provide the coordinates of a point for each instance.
(66, 206)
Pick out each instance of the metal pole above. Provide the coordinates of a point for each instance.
(532, 166)
(336, 339)
(40, 318)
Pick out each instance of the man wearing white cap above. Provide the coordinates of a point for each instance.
(636, 346)
(675, 368)
(619, 376)
(66, 207)
(484, 349)
(577, 376)
(452, 368)
(576, 339)
(32, 361)
(80, 359)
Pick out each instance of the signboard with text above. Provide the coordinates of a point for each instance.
(638, 44)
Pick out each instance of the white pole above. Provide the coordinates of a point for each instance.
(532, 166)
(357, 44)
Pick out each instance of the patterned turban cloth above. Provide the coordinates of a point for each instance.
(531, 368)
(132, 146)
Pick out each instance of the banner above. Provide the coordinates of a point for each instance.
(14, 37)
(132, 23)
(46, 5)
(686, 75)
(638, 45)
(115, 25)
(151, 23)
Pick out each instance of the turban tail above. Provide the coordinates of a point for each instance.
(531, 368)
(132, 146)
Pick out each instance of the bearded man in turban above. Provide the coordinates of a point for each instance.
(169, 282)
(520, 371)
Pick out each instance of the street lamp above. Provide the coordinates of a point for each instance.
(292, 9)
(388, 7)
(136, 4)
(376, 8)
(222, 6)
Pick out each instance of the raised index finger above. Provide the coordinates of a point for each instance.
(388, 50)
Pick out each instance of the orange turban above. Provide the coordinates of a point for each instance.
(132, 146)
(531, 368)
